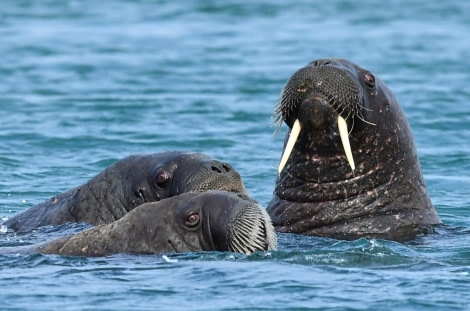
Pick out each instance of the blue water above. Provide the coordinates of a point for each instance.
(84, 83)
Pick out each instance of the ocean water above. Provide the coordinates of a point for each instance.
(84, 83)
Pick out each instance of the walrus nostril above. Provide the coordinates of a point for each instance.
(321, 62)
(226, 167)
(215, 169)
(221, 168)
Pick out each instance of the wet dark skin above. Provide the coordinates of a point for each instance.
(128, 183)
(376, 192)
(211, 220)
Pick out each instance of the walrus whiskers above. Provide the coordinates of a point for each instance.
(251, 230)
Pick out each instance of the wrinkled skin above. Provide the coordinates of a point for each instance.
(128, 183)
(198, 221)
(318, 192)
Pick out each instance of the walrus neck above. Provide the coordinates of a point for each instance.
(107, 206)
(313, 178)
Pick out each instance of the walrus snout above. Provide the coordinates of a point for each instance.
(326, 79)
(250, 229)
(216, 175)
(324, 96)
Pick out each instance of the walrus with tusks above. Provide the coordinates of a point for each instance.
(198, 221)
(128, 183)
(349, 168)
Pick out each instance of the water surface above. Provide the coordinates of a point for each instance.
(85, 83)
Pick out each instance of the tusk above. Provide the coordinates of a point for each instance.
(343, 133)
(294, 133)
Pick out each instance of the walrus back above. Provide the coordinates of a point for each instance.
(54, 211)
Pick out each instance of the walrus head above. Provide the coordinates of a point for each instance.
(197, 221)
(349, 166)
(326, 98)
(215, 220)
(172, 173)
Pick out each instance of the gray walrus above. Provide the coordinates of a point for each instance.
(349, 167)
(197, 221)
(128, 183)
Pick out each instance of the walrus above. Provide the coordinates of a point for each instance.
(197, 221)
(128, 183)
(349, 167)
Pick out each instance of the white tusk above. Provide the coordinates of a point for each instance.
(294, 133)
(343, 133)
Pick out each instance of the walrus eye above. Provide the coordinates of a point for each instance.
(162, 178)
(192, 220)
(369, 79)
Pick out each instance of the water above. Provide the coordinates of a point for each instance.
(85, 83)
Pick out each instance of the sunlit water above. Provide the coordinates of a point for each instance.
(84, 83)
